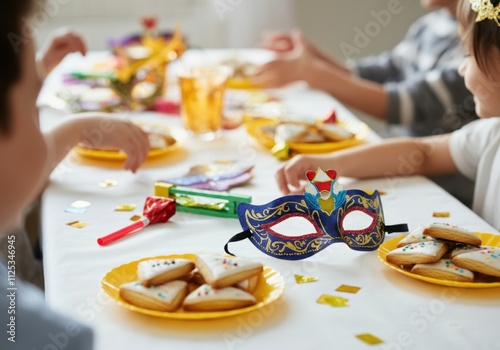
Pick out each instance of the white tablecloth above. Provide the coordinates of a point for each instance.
(404, 312)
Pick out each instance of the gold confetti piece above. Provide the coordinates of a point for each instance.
(77, 224)
(332, 300)
(135, 218)
(369, 338)
(125, 207)
(348, 289)
(108, 183)
(81, 204)
(441, 214)
(304, 279)
(380, 192)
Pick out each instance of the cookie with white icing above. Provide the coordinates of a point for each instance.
(207, 298)
(486, 261)
(249, 285)
(452, 233)
(159, 271)
(220, 271)
(444, 269)
(415, 236)
(167, 297)
(418, 253)
(464, 248)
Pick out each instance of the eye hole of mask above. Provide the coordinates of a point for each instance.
(294, 227)
(357, 221)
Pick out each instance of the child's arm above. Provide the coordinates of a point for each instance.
(304, 62)
(97, 130)
(399, 157)
(62, 43)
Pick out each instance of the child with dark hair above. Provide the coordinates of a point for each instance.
(27, 157)
(474, 150)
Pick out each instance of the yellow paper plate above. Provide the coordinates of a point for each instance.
(111, 155)
(487, 239)
(254, 127)
(270, 287)
(240, 83)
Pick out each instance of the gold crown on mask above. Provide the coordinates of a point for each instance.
(486, 9)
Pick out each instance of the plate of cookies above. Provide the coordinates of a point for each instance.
(160, 139)
(193, 287)
(303, 136)
(447, 255)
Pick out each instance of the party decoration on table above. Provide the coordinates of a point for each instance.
(348, 289)
(333, 300)
(325, 205)
(217, 176)
(132, 78)
(486, 9)
(125, 207)
(78, 207)
(447, 272)
(108, 183)
(304, 279)
(135, 218)
(156, 210)
(75, 210)
(210, 304)
(369, 339)
(77, 224)
(287, 135)
(189, 200)
(441, 214)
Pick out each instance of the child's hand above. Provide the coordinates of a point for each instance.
(291, 177)
(295, 55)
(62, 43)
(278, 42)
(107, 131)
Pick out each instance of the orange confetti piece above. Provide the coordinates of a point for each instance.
(135, 218)
(333, 300)
(369, 338)
(77, 224)
(348, 289)
(304, 279)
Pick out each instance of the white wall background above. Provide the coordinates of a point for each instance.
(232, 23)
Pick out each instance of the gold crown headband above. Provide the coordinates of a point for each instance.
(486, 10)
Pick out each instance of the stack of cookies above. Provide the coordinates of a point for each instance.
(443, 251)
(211, 283)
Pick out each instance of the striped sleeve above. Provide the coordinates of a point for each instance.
(430, 98)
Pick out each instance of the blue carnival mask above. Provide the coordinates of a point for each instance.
(325, 205)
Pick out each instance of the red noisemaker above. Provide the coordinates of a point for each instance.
(156, 210)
